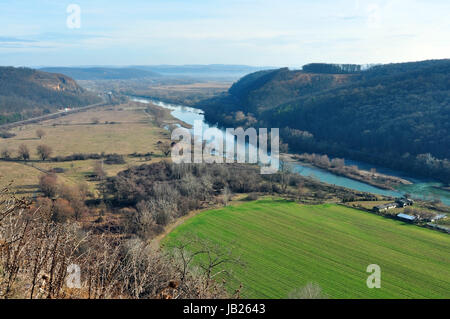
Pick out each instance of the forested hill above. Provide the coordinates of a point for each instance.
(26, 93)
(394, 114)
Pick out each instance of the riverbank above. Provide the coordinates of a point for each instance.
(164, 115)
(372, 178)
(419, 189)
(443, 188)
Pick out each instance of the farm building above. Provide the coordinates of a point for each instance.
(399, 202)
(406, 217)
(438, 217)
(385, 207)
(403, 202)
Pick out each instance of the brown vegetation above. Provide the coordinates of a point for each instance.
(39, 257)
(44, 152)
(40, 133)
(155, 195)
(5, 153)
(337, 166)
(23, 152)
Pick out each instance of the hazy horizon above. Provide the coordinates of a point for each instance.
(298, 67)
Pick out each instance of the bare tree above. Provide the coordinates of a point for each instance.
(226, 195)
(285, 175)
(99, 172)
(48, 184)
(310, 291)
(24, 152)
(44, 152)
(424, 215)
(40, 133)
(6, 153)
(36, 252)
(165, 147)
(301, 189)
(338, 163)
(214, 258)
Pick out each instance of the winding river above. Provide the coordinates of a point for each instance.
(420, 189)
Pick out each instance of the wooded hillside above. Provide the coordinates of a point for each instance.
(27, 93)
(397, 115)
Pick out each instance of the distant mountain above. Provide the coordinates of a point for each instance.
(102, 73)
(203, 71)
(200, 72)
(395, 114)
(27, 93)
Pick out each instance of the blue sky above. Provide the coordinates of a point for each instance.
(255, 32)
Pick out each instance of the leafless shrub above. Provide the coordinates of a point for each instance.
(44, 152)
(48, 184)
(5, 153)
(252, 196)
(99, 172)
(165, 147)
(40, 133)
(36, 252)
(212, 263)
(310, 291)
(226, 195)
(23, 152)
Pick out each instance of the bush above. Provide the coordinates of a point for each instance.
(44, 151)
(4, 134)
(114, 159)
(310, 291)
(48, 184)
(252, 196)
(5, 153)
(62, 211)
(23, 152)
(40, 133)
(76, 157)
(58, 170)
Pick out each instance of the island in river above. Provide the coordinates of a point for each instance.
(337, 166)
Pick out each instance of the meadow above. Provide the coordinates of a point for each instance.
(122, 129)
(285, 245)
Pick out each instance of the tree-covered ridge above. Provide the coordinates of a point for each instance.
(27, 92)
(396, 114)
(267, 89)
(332, 68)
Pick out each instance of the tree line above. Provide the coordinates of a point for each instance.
(395, 115)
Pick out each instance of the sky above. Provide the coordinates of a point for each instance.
(252, 32)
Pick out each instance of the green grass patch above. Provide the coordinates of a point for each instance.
(286, 245)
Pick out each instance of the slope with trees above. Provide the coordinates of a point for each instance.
(395, 115)
(26, 93)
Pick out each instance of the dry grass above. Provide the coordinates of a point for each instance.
(133, 131)
(368, 204)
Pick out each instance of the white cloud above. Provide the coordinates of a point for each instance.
(269, 32)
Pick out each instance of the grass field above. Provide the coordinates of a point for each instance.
(286, 245)
(122, 129)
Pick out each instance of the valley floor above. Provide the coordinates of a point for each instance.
(123, 129)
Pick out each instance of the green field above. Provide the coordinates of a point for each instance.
(286, 245)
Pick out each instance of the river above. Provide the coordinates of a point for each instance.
(420, 189)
